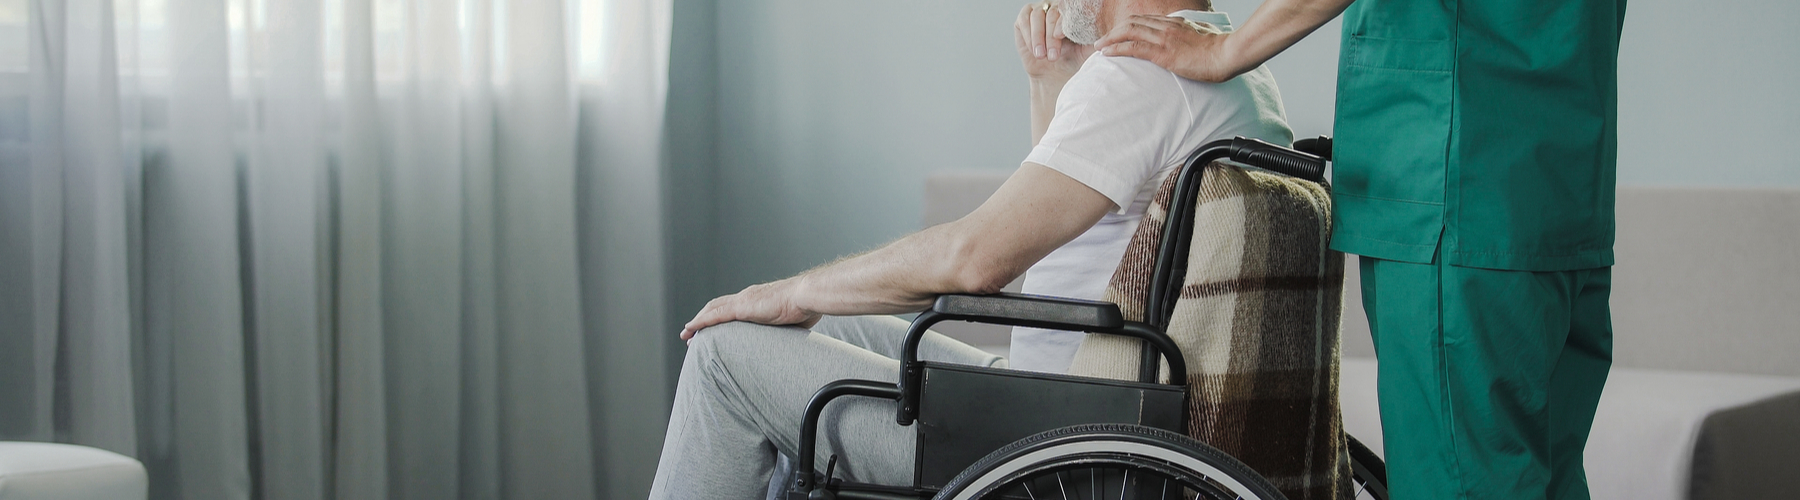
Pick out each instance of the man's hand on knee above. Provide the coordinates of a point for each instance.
(769, 304)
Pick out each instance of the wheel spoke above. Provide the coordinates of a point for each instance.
(1123, 482)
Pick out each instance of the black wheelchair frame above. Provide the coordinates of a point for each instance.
(947, 402)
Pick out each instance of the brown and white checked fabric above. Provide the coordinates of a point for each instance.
(1257, 322)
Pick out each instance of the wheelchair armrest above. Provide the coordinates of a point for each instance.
(1036, 311)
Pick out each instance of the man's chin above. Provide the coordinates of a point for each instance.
(1078, 22)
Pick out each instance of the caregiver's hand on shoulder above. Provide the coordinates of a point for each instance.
(1175, 45)
(770, 303)
(1047, 54)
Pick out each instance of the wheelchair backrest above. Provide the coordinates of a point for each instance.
(1260, 294)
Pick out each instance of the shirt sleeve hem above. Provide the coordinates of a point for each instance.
(1087, 172)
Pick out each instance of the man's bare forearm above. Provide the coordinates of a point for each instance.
(1036, 211)
(903, 276)
(1033, 213)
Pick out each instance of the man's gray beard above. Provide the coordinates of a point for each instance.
(1078, 21)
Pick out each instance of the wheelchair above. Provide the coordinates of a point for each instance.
(1068, 437)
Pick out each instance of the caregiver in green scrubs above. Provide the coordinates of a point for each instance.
(1474, 166)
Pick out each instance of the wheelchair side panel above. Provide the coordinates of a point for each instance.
(968, 412)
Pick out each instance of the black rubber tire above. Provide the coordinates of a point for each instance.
(1368, 471)
(1110, 447)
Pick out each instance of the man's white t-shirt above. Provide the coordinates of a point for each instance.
(1121, 126)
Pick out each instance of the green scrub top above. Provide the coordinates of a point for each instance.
(1484, 129)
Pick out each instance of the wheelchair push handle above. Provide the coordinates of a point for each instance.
(1289, 162)
(1317, 146)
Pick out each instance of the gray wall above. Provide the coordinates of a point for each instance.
(832, 112)
(820, 118)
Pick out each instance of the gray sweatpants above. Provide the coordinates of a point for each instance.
(743, 390)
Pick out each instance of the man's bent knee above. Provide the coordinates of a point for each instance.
(737, 337)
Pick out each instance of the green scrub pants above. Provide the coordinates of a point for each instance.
(1488, 379)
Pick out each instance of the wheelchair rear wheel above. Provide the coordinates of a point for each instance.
(1111, 461)
(1367, 472)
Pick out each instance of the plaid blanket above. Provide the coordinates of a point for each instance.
(1257, 321)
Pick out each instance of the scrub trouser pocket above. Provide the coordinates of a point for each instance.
(1488, 379)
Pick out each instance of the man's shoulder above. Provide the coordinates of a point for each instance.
(1138, 75)
(1109, 78)
(1103, 66)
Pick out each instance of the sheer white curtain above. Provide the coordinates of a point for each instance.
(345, 249)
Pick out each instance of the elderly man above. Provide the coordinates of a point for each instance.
(1106, 130)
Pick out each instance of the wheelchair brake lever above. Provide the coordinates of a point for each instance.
(830, 467)
(822, 491)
